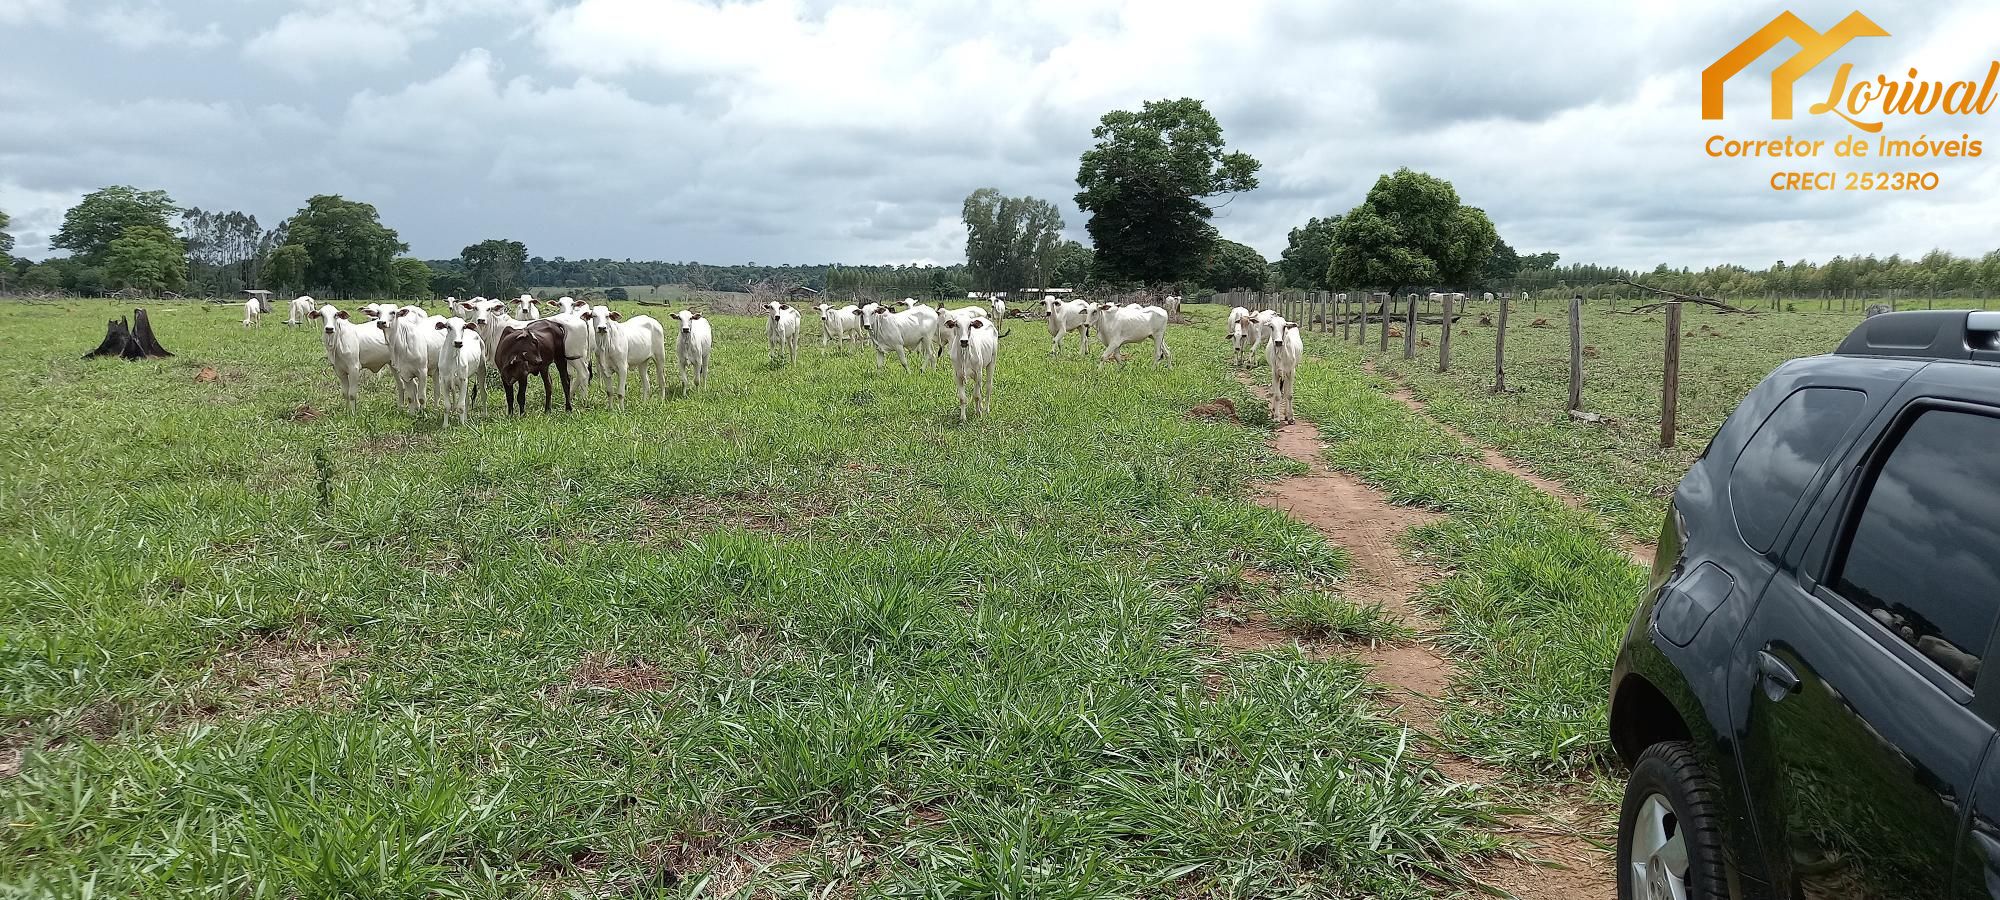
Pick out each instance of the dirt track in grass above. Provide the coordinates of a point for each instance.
(1554, 860)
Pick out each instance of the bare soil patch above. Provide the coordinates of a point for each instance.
(1220, 409)
(273, 672)
(632, 676)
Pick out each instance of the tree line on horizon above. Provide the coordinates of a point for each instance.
(1150, 185)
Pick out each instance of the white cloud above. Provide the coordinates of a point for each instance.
(29, 12)
(141, 27)
(368, 34)
(303, 43)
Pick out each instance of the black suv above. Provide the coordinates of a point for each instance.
(1800, 698)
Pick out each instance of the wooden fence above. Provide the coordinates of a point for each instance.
(1348, 314)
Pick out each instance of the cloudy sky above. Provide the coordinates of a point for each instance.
(851, 130)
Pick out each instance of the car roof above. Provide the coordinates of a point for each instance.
(1945, 334)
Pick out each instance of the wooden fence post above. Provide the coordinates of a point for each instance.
(1362, 315)
(1500, 351)
(1346, 327)
(1444, 339)
(1670, 392)
(1576, 354)
(1410, 330)
(1386, 300)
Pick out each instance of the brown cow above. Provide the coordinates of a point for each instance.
(530, 349)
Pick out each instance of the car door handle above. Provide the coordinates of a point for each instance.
(1779, 679)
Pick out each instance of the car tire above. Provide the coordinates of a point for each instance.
(1671, 818)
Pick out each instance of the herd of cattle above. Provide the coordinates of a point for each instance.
(442, 360)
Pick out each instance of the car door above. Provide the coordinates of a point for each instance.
(1855, 676)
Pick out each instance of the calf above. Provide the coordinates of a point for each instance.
(351, 349)
(1120, 325)
(528, 349)
(974, 359)
(302, 309)
(253, 312)
(461, 366)
(999, 311)
(1286, 351)
(947, 344)
(1260, 336)
(783, 329)
(1066, 316)
(1239, 333)
(693, 348)
(622, 345)
(843, 324)
(911, 329)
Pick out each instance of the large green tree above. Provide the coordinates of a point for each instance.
(1410, 230)
(1308, 251)
(1076, 266)
(1010, 242)
(286, 269)
(450, 282)
(1146, 185)
(146, 257)
(348, 249)
(493, 267)
(6, 240)
(1540, 261)
(413, 278)
(103, 215)
(1232, 265)
(1503, 262)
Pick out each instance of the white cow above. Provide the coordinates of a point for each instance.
(527, 309)
(783, 329)
(253, 312)
(1286, 351)
(1239, 333)
(351, 349)
(1260, 336)
(622, 344)
(414, 346)
(911, 329)
(947, 344)
(461, 367)
(1066, 316)
(695, 342)
(975, 355)
(842, 324)
(302, 309)
(576, 345)
(1129, 324)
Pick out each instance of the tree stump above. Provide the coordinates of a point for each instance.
(129, 339)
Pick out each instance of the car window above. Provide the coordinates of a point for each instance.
(1923, 557)
(1780, 459)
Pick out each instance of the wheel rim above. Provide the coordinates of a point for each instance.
(1659, 855)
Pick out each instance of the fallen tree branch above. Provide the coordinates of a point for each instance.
(1688, 298)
